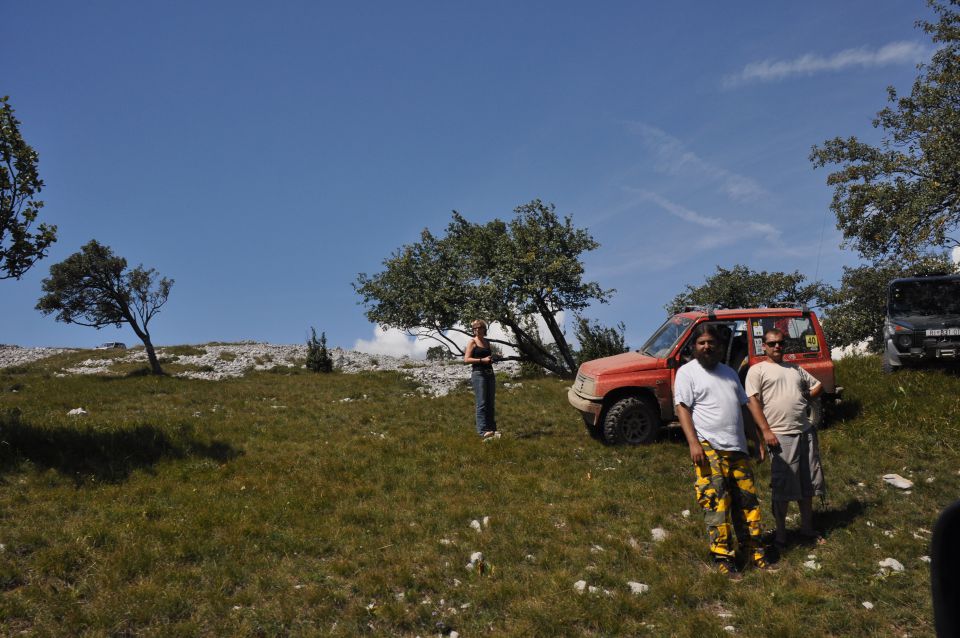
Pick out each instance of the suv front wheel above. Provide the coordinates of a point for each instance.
(630, 420)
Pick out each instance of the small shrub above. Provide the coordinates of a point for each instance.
(318, 359)
(597, 341)
(227, 356)
(439, 353)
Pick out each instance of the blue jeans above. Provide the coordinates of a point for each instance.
(484, 384)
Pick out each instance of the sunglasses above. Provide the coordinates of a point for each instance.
(774, 344)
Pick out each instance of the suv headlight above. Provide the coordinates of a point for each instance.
(585, 384)
(891, 330)
(905, 340)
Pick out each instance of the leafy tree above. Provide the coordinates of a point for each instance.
(742, 287)
(19, 184)
(903, 196)
(598, 341)
(501, 271)
(857, 308)
(318, 358)
(94, 288)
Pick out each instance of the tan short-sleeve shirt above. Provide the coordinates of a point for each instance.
(780, 387)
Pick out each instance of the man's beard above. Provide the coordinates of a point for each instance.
(708, 361)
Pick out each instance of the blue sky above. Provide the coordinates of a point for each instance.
(262, 156)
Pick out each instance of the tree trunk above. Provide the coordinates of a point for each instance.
(144, 336)
(534, 352)
(151, 355)
(559, 339)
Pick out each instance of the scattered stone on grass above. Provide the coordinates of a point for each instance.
(658, 534)
(867, 604)
(730, 629)
(812, 564)
(77, 412)
(925, 559)
(580, 586)
(898, 481)
(596, 549)
(475, 524)
(685, 513)
(486, 521)
(892, 564)
(638, 588)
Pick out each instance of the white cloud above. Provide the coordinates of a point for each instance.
(396, 343)
(811, 63)
(393, 342)
(673, 158)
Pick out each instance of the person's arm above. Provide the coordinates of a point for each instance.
(685, 417)
(814, 387)
(763, 436)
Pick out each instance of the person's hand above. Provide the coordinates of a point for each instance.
(697, 455)
(488, 359)
(770, 439)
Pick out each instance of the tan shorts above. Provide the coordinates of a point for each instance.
(795, 470)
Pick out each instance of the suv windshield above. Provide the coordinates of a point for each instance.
(925, 298)
(663, 340)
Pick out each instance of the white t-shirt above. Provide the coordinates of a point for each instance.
(780, 387)
(715, 397)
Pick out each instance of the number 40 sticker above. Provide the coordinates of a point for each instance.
(812, 342)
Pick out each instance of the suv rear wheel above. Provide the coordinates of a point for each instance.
(630, 420)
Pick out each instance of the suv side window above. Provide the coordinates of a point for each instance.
(798, 332)
(733, 343)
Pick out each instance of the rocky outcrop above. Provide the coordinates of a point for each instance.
(223, 361)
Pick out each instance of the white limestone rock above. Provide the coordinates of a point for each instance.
(892, 564)
(898, 481)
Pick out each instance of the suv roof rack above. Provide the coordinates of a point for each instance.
(790, 304)
(709, 308)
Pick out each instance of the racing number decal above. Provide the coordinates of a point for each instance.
(812, 342)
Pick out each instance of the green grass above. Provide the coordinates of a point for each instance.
(267, 506)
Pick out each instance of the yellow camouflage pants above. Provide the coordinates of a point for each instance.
(728, 496)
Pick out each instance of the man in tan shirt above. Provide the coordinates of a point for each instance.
(783, 392)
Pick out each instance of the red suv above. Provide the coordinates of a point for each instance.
(627, 397)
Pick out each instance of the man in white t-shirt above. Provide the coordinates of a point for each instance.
(783, 392)
(712, 409)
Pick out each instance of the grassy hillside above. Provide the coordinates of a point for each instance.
(271, 505)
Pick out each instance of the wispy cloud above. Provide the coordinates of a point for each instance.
(812, 63)
(724, 231)
(674, 158)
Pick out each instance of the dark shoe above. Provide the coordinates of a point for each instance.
(812, 537)
(727, 567)
(764, 566)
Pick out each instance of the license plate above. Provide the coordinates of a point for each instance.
(945, 332)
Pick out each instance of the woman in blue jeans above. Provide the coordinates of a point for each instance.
(480, 355)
